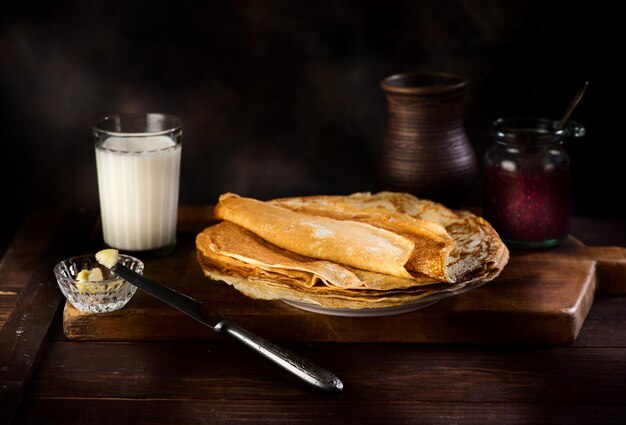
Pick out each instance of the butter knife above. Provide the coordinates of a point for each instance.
(302, 368)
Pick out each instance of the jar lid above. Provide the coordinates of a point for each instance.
(525, 130)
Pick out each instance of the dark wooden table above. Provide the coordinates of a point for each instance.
(45, 378)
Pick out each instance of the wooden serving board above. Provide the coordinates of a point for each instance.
(541, 297)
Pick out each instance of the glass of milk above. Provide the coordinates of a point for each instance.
(138, 163)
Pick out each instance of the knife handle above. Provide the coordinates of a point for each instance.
(288, 360)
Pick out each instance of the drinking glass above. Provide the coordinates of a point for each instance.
(138, 165)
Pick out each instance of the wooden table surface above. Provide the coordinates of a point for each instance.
(45, 378)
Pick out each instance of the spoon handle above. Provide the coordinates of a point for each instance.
(573, 104)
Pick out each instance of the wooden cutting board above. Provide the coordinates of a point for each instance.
(541, 297)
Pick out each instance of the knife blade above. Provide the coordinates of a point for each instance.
(300, 367)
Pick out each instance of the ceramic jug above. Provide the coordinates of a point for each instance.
(426, 151)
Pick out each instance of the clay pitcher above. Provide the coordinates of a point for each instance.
(426, 151)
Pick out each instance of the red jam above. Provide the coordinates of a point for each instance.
(527, 180)
(528, 206)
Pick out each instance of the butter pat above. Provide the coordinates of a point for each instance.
(107, 257)
(83, 275)
(95, 275)
(87, 282)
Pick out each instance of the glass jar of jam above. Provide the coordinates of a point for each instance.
(527, 181)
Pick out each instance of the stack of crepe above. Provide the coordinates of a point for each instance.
(358, 251)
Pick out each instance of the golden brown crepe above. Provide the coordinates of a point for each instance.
(475, 241)
(283, 249)
(375, 243)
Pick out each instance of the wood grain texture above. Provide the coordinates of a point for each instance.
(604, 326)
(7, 301)
(611, 268)
(539, 298)
(410, 373)
(22, 257)
(149, 412)
(24, 331)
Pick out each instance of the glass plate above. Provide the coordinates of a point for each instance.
(385, 311)
(360, 312)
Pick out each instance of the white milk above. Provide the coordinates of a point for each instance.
(138, 184)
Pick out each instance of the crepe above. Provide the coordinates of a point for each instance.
(475, 241)
(245, 252)
(397, 246)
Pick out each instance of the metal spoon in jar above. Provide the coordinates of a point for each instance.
(573, 104)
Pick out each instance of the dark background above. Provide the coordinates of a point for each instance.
(282, 97)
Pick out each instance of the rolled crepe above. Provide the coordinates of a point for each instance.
(259, 269)
(376, 243)
(228, 243)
